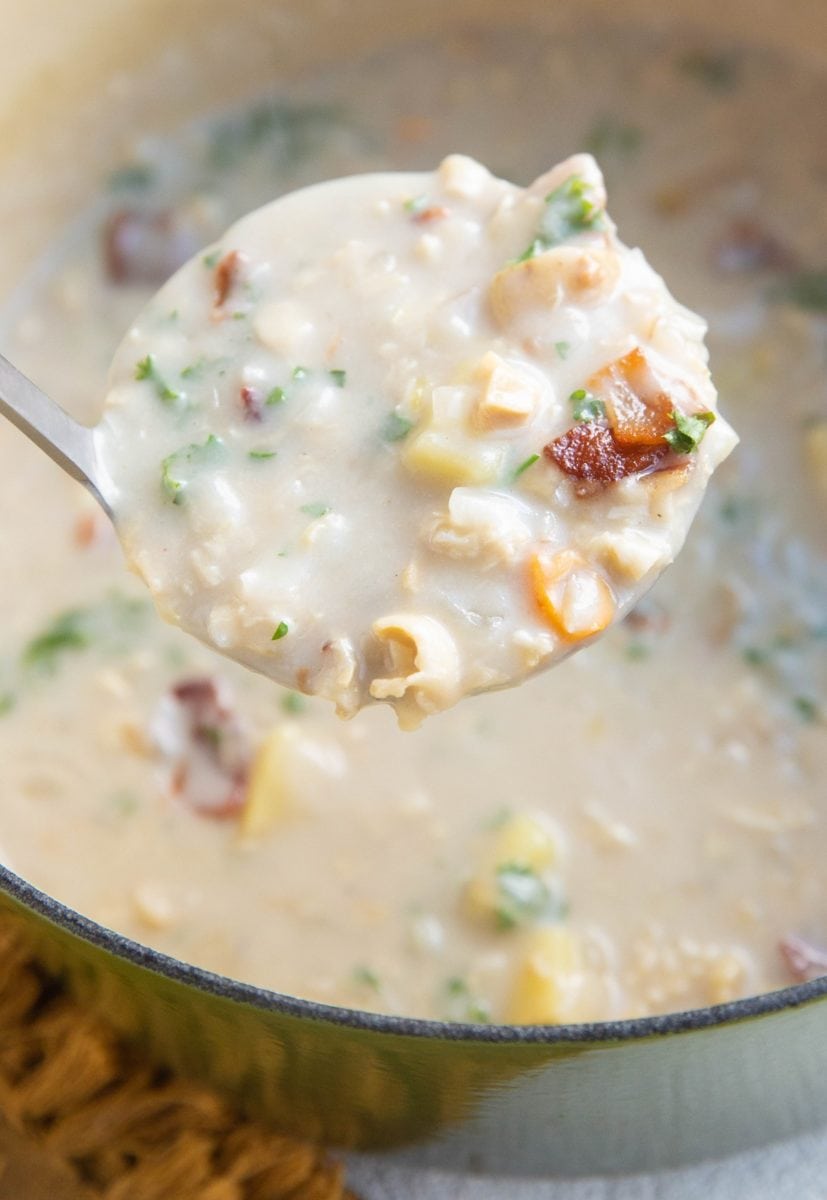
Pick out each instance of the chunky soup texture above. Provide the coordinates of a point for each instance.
(405, 437)
(641, 830)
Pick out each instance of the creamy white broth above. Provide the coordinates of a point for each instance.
(406, 437)
(675, 769)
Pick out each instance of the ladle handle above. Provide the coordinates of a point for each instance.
(70, 444)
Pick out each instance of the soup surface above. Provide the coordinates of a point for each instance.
(518, 433)
(641, 830)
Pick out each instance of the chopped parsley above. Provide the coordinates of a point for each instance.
(462, 1005)
(637, 651)
(396, 427)
(7, 703)
(717, 69)
(316, 510)
(806, 289)
(133, 177)
(570, 209)
(562, 349)
(585, 407)
(806, 709)
(338, 376)
(522, 895)
(689, 430)
(262, 453)
(147, 369)
(212, 259)
(610, 136)
(523, 467)
(366, 977)
(280, 631)
(68, 631)
(276, 396)
(173, 479)
(415, 204)
(290, 131)
(294, 703)
(300, 372)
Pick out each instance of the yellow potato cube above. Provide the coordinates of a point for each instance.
(549, 980)
(524, 840)
(445, 459)
(268, 793)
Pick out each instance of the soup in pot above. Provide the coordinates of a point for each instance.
(641, 830)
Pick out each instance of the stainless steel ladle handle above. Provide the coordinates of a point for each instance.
(70, 444)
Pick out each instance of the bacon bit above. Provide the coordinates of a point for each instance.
(86, 530)
(639, 410)
(804, 961)
(226, 278)
(590, 452)
(414, 129)
(146, 247)
(437, 212)
(748, 246)
(252, 401)
(198, 731)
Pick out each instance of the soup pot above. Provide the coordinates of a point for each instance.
(571, 1100)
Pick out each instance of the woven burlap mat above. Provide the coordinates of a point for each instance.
(128, 1131)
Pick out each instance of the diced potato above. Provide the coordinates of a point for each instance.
(816, 450)
(445, 458)
(268, 792)
(525, 840)
(508, 398)
(631, 554)
(549, 980)
(725, 979)
(576, 601)
(550, 278)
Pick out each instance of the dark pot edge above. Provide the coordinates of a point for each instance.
(632, 1029)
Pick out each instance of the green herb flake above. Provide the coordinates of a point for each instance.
(521, 895)
(338, 376)
(562, 350)
(291, 132)
(366, 977)
(755, 656)
(806, 709)
(212, 259)
(276, 396)
(133, 177)
(281, 630)
(147, 369)
(689, 430)
(396, 427)
(523, 467)
(805, 289)
(316, 510)
(462, 1005)
(585, 407)
(610, 136)
(262, 453)
(570, 209)
(415, 204)
(717, 69)
(294, 703)
(68, 631)
(637, 651)
(173, 481)
(7, 703)
(300, 373)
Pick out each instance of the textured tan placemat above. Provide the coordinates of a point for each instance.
(128, 1131)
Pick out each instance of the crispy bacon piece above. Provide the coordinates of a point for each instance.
(590, 452)
(252, 402)
(804, 961)
(638, 409)
(748, 246)
(147, 247)
(226, 277)
(198, 732)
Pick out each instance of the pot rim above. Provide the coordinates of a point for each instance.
(627, 1030)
